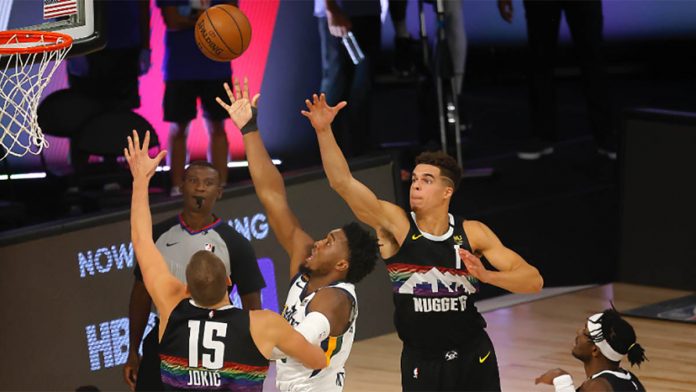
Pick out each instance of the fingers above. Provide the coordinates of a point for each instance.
(255, 100)
(309, 104)
(131, 149)
(237, 89)
(229, 93)
(304, 113)
(315, 99)
(245, 90)
(136, 141)
(146, 142)
(160, 156)
(340, 106)
(223, 104)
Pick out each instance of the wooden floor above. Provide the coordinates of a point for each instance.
(536, 336)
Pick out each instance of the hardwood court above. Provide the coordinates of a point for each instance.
(533, 337)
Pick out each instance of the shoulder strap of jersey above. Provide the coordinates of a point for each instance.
(460, 234)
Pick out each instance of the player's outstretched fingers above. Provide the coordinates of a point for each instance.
(131, 148)
(228, 90)
(245, 90)
(146, 142)
(237, 89)
(255, 100)
(136, 140)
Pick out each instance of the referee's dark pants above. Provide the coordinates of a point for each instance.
(149, 377)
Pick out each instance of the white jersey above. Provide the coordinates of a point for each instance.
(291, 375)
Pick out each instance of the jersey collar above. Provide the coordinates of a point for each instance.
(433, 237)
(189, 230)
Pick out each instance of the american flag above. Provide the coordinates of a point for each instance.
(56, 8)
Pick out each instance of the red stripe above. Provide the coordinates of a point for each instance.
(60, 13)
(226, 365)
(423, 268)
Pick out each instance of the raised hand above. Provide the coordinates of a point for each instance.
(240, 106)
(473, 265)
(320, 114)
(139, 162)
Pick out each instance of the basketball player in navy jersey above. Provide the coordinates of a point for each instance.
(434, 266)
(205, 343)
(601, 344)
(321, 302)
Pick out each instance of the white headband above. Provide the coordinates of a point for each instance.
(594, 327)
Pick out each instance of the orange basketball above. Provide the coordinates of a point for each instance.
(223, 32)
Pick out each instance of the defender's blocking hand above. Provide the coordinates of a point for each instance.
(139, 162)
(320, 114)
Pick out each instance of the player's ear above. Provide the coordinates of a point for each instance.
(342, 265)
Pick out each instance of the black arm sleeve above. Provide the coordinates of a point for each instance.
(244, 269)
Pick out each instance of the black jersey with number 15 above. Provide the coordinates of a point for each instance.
(210, 349)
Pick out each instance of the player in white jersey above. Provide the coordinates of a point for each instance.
(291, 374)
(321, 303)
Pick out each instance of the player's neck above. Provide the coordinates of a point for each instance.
(434, 221)
(197, 220)
(224, 302)
(316, 282)
(596, 366)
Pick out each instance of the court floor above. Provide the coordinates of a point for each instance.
(533, 337)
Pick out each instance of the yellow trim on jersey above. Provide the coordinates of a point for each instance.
(330, 349)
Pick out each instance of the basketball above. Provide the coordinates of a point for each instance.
(223, 32)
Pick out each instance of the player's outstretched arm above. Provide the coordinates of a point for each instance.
(268, 183)
(269, 330)
(165, 289)
(378, 214)
(513, 272)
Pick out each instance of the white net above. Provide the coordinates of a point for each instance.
(23, 78)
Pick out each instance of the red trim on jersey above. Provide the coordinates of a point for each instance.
(189, 230)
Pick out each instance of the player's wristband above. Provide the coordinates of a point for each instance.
(251, 125)
(564, 383)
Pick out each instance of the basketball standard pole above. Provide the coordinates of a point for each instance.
(447, 100)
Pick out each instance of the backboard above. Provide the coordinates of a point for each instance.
(81, 19)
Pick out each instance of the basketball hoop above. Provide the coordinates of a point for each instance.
(28, 60)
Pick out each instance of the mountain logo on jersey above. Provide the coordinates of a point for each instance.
(430, 281)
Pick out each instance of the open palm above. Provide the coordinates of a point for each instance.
(138, 158)
(320, 114)
(240, 106)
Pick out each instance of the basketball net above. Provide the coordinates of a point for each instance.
(29, 59)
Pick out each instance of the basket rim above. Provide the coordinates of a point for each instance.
(29, 36)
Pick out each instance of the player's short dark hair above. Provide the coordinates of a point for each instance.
(206, 278)
(201, 163)
(448, 166)
(621, 336)
(363, 252)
